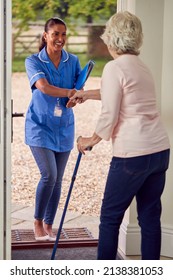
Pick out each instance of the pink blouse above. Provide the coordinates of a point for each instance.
(129, 115)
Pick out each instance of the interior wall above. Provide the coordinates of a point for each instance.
(167, 116)
(156, 52)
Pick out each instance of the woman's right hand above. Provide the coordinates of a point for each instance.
(71, 93)
(77, 97)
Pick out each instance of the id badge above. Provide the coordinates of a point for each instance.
(57, 109)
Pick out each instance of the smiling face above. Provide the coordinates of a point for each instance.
(55, 38)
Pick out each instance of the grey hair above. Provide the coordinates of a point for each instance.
(123, 33)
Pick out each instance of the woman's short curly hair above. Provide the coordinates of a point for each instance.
(123, 33)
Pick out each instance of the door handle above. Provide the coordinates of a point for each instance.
(14, 115)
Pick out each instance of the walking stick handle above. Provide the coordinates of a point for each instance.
(87, 148)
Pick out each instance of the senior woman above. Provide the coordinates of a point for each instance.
(140, 145)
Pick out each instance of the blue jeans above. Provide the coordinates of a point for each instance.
(143, 177)
(51, 165)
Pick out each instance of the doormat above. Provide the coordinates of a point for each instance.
(70, 237)
(80, 253)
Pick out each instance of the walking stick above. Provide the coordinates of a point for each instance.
(66, 204)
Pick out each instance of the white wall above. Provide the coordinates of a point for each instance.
(167, 114)
(157, 22)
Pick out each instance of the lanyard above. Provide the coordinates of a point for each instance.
(58, 107)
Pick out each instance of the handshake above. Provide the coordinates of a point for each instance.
(80, 96)
(77, 96)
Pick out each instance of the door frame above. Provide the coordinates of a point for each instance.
(5, 128)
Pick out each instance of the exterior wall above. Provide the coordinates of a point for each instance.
(157, 54)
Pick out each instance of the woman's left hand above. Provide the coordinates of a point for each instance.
(83, 143)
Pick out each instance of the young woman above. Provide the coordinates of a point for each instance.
(49, 127)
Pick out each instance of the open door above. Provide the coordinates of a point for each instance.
(5, 129)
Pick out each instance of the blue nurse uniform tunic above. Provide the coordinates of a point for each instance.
(42, 127)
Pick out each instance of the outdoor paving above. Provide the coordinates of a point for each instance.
(22, 218)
